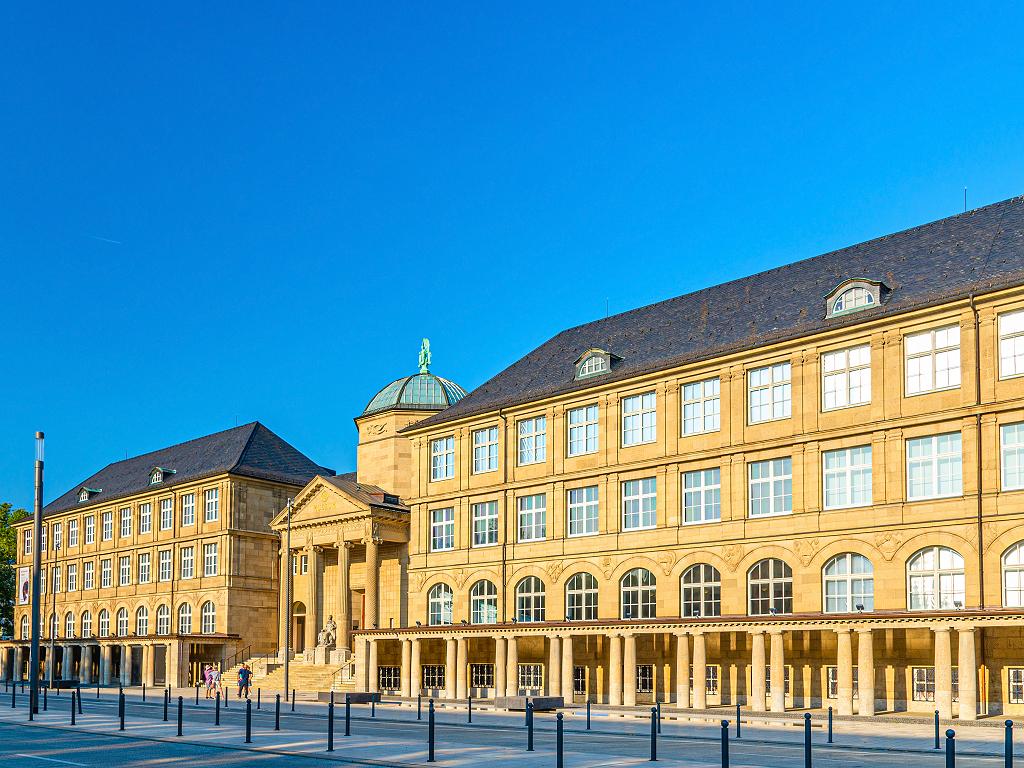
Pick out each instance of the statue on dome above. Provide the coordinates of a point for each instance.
(425, 356)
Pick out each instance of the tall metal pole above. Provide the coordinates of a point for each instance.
(37, 556)
(288, 597)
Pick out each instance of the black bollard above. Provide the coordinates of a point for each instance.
(248, 721)
(97, 689)
(44, 698)
(181, 701)
(737, 721)
(659, 717)
(227, 695)
(257, 698)
(588, 714)
(654, 734)
(373, 707)
(293, 699)
(277, 711)
(143, 691)
(167, 702)
(348, 715)
(197, 695)
(529, 726)
(830, 725)
(936, 729)
(120, 700)
(419, 706)
(430, 731)
(216, 717)
(330, 726)
(72, 708)
(807, 740)
(469, 710)
(725, 744)
(558, 741)
(1008, 744)
(950, 748)
(14, 697)
(79, 691)
(332, 697)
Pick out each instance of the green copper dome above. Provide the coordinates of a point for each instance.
(422, 391)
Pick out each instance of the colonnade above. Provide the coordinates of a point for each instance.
(90, 663)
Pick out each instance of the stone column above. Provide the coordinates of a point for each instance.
(450, 662)
(148, 665)
(844, 672)
(372, 577)
(682, 670)
(865, 673)
(6, 666)
(629, 671)
(757, 682)
(406, 691)
(615, 670)
(373, 678)
(126, 665)
(567, 669)
(106, 665)
(968, 672)
(554, 666)
(500, 666)
(85, 665)
(415, 668)
(943, 673)
(700, 672)
(282, 602)
(461, 668)
(512, 668)
(48, 666)
(313, 618)
(344, 607)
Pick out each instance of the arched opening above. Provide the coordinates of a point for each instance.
(298, 626)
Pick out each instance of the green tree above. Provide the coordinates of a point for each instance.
(8, 555)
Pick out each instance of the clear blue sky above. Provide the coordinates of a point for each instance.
(214, 213)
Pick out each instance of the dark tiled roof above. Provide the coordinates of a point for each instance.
(251, 450)
(974, 252)
(371, 495)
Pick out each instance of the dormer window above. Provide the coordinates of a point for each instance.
(158, 474)
(84, 494)
(594, 362)
(853, 296)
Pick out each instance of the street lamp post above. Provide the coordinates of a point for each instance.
(37, 556)
(288, 597)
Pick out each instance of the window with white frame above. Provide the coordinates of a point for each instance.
(142, 621)
(532, 517)
(1011, 344)
(88, 574)
(440, 600)
(163, 620)
(579, 681)
(166, 514)
(104, 623)
(442, 529)
(108, 526)
(644, 678)
(533, 437)
(933, 360)
(485, 450)
(208, 618)
(106, 573)
(211, 502)
(58, 536)
(771, 487)
(924, 683)
(56, 579)
(701, 591)
(530, 600)
(1013, 576)
(27, 540)
(86, 624)
(846, 377)
(188, 562)
(72, 533)
(847, 477)
(90, 529)
(188, 509)
(639, 503)
(711, 677)
(581, 598)
(442, 458)
(25, 632)
(165, 564)
(185, 619)
(1015, 680)
(849, 584)
(483, 603)
(582, 510)
(531, 677)
(770, 587)
(122, 622)
(433, 676)
(851, 299)
(126, 522)
(389, 678)
(42, 538)
(935, 579)
(639, 419)
(210, 559)
(934, 467)
(770, 392)
(145, 518)
(639, 589)
(583, 430)
(702, 495)
(592, 365)
(42, 579)
(1011, 444)
(702, 406)
(481, 675)
(768, 680)
(485, 523)
(124, 568)
(144, 567)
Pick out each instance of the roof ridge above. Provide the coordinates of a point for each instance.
(248, 444)
(179, 445)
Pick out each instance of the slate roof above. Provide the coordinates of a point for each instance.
(371, 495)
(974, 252)
(250, 450)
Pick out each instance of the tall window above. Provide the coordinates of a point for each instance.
(1011, 440)
(532, 517)
(933, 360)
(27, 539)
(583, 430)
(483, 603)
(124, 568)
(442, 458)
(104, 623)
(56, 579)
(106, 573)
(701, 591)
(108, 526)
(771, 487)
(530, 599)
(208, 618)
(532, 440)
(442, 529)
(163, 620)
(145, 518)
(581, 598)
(86, 624)
(639, 419)
(1013, 576)
(25, 632)
(439, 605)
(144, 567)
(209, 560)
(638, 595)
(122, 622)
(934, 467)
(702, 406)
(849, 584)
(846, 377)
(167, 514)
(770, 587)
(88, 574)
(485, 523)
(165, 565)
(90, 529)
(185, 619)
(72, 577)
(702, 495)
(211, 500)
(69, 624)
(188, 508)
(58, 538)
(142, 620)
(770, 392)
(485, 450)
(126, 522)
(847, 477)
(935, 579)
(188, 562)
(1011, 344)
(72, 533)
(639, 503)
(582, 509)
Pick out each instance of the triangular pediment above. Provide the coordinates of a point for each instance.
(322, 501)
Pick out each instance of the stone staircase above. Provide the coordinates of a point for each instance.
(307, 679)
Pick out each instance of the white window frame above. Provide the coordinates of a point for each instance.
(940, 586)
(442, 458)
(108, 525)
(208, 618)
(846, 377)
(122, 622)
(166, 514)
(184, 619)
(702, 495)
(165, 566)
(777, 476)
(702, 406)
(86, 624)
(944, 451)
(483, 603)
(485, 450)
(581, 597)
(531, 517)
(639, 419)
(1012, 566)
(582, 511)
(211, 505)
(531, 600)
(124, 570)
(485, 523)
(639, 598)
(88, 575)
(90, 529)
(929, 358)
(640, 504)
(58, 537)
(103, 623)
(442, 529)
(770, 392)
(767, 588)
(440, 605)
(850, 587)
(846, 477)
(145, 518)
(188, 509)
(188, 563)
(106, 573)
(73, 533)
(1011, 344)
(1015, 684)
(126, 522)
(532, 440)
(56, 579)
(142, 621)
(163, 619)
(645, 678)
(211, 559)
(433, 677)
(1011, 456)
(700, 591)
(923, 683)
(584, 430)
(144, 567)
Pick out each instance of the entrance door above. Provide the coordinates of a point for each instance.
(299, 634)
(159, 664)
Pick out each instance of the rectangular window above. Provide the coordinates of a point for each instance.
(485, 450)
(934, 467)
(768, 680)
(166, 514)
(933, 360)
(645, 678)
(702, 495)
(72, 577)
(106, 572)
(481, 675)
(639, 503)
(165, 565)
(771, 487)
(88, 575)
(56, 579)
(72, 533)
(846, 377)
(188, 562)
(42, 539)
(832, 688)
(702, 406)
(579, 681)
(770, 392)
(145, 518)
(847, 477)
(1011, 441)
(124, 568)
(583, 510)
(533, 440)
(144, 568)
(924, 683)
(389, 678)
(27, 549)
(531, 676)
(442, 458)
(532, 517)
(639, 419)
(442, 529)
(108, 526)
(304, 565)
(485, 523)
(126, 522)
(1011, 344)
(211, 500)
(58, 536)
(209, 560)
(90, 529)
(1015, 678)
(711, 676)
(188, 509)
(583, 430)
(433, 676)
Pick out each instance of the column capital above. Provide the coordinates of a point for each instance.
(681, 633)
(864, 630)
(845, 630)
(939, 629)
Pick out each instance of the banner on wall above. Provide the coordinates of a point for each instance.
(23, 585)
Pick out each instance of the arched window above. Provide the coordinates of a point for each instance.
(770, 585)
(1013, 576)
(593, 364)
(25, 628)
(104, 623)
(483, 598)
(701, 591)
(638, 594)
(142, 620)
(86, 624)
(935, 579)
(530, 599)
(849, 584)
(163, 620)
(185, 619)
(581, 598)
(853, 298)
(208, 618)
(122, 622)
(69, 624)
(439, 605)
